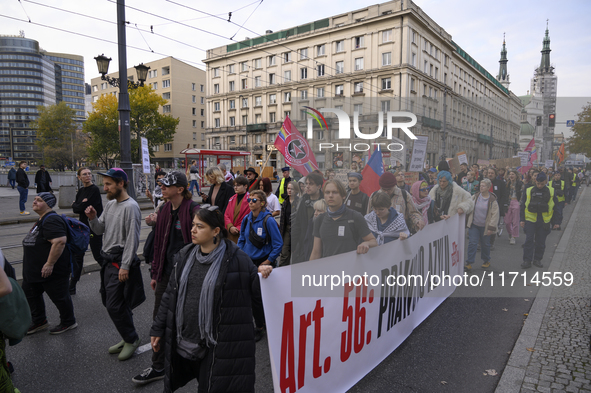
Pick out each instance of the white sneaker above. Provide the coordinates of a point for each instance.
(512, 241)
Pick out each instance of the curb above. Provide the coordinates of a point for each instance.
(514, 373)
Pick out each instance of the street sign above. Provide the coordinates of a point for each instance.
(570, 123)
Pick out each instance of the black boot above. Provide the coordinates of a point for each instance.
(526, 265)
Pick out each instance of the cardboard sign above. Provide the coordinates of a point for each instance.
(549, 163)
(454, 165)
(506, 162)
(411, 178)
(483, 162)
(524, 158)
(463, 157)
(419, 151)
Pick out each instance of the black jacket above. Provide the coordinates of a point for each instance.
(22, 180)
(42, 179)
(500, 190)
(228, 366)
(299, 226)
(93, 196)
(518, 190)
(224, 194)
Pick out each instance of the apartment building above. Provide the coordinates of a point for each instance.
(184, 87)
(72, 81)
(385, 57)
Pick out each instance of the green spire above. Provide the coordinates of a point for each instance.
(545, 63)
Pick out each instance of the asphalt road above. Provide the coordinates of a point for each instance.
(450, 351)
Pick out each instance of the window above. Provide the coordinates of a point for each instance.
(287, 76)
(244, 83)
(243, 139)
(194, 125)
(385, 106)
(358, 42)
(387, 35)
(258, 101)
(193, 85)
(165, 83)
(193, 111)
(216, 106)
(287, 57)
(358, 108)
(168, 147)
(202, 88)
(272, 117)
(152, 74)
(216, 123)
(165, 71)
(320, 92)
(232, 86)
(340, 67)
(232, 68)
(257, 81)
(303, 53)
(202, 112)
(320, 69)
(339, 90)
(413, 61)
(435, 94)
(387, 58)
(445, 77)
(243, 66)
(257, 118)
(245, 102)
(165, 108)
(287, 96)
(271, 79)
(232, 139)
(430, 69)
(155, 85)
(156, 148)
(436, 72)
(272, 98)
(320, 135)
(258, 63)
(412, 84)
(95, 88)
(244, 120)
(430, 92)
(358, 87)
(340, 46)
(304, 73)
(232, 104)
(202, 100)
(258, 138)
(216, 88)
(424, 90)
(358, 63)
(414, 37)
(286, 114)
(304, 94)
(202, 126)
(272, 60)
(425, 67)
(166, 96)
(103, 85)
(386, 83)
(320, 50)
(216, 72)
(232, 121)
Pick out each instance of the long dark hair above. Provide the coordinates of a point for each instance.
(213, 217)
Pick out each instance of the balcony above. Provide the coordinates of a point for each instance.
(432, 123)
(258, 127)
(484, 138)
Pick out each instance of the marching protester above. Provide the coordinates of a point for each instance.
(537, 208)
(43, 180)
(251, 175)
(228, 176)
(482, 222)
(449, 198)
(22, 185)
(122, 288)
(157, 196)
(470, 183)
(559, 191)
(237, 208)
(514, 190)
(568, 179)
(575, 184)
(194, 177)
(173, 231)
(423, 202)
(384, 222)
(273, 206)
(287, 208)
(305, 214)
(259, 238)
(88, 195)
(46, 267)
(281, 192)
(460, 178)
(12, 177)
(220, 192)
(205, 319)
(500, 190)
(356, 199)
(308, 243)
(401, 201)
(476, 171)
(340, 229)
(400, 181)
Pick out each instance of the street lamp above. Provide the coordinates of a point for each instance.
(102, 63)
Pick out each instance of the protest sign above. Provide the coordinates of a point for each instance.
(419, 151)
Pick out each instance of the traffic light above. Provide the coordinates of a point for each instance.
(551, 120)
(538, 120)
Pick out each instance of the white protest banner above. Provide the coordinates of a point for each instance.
(419, 150)
(549, 163)
(326, 335)
(145, 156)
(462, 157)
(524, 157)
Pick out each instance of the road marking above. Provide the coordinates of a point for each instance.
(143, 348)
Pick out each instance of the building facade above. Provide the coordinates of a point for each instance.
(386, 57)
(28, 79)
(183, 86)
(72, 81)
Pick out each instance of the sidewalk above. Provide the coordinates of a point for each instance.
(552, 351)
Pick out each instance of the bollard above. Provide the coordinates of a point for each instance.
(67, 195)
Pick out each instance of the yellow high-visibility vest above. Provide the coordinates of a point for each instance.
(560, 198)
(533, 217)
(282, 190)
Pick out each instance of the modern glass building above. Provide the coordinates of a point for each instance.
(72, 81)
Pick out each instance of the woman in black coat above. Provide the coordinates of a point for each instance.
(220, 192)
(205, 316)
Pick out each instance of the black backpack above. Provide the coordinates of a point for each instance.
(256, 240)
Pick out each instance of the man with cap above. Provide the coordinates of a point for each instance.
(281, 192)
(401, 201)
(173, 231)
(537, 207)
(251, 175)
(121, 285)
(356, 199)
(46, 267)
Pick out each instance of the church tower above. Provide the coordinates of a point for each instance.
(503, 76)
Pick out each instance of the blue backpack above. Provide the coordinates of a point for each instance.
(78, 235)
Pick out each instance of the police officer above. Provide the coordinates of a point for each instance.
(281, 192)
(559, 190)
(537, 208)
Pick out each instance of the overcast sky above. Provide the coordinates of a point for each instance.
(476, 25)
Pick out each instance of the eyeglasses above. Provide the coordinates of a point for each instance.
(253, 200)
(424, 189)
(209, 207)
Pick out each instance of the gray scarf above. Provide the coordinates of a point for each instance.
(443, 198)
(207, 291)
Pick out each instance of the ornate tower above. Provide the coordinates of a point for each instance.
(503, 76)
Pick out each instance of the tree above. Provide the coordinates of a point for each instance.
(580, 142)
(145, 121)
(58, 137)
